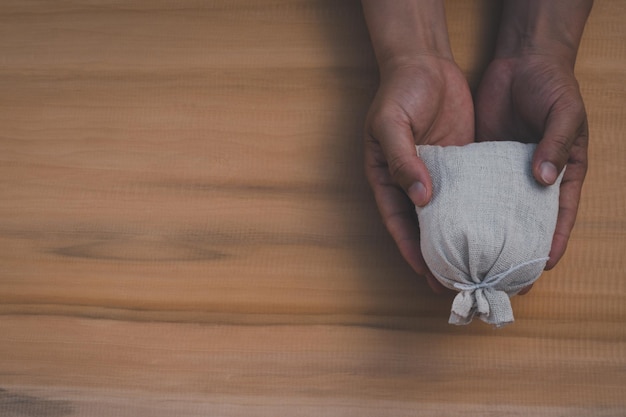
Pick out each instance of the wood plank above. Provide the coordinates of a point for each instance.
(185, 227)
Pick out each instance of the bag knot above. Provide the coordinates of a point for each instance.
(484, 300)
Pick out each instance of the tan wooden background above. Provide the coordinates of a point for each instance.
(185, 228)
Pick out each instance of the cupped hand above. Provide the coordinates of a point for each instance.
(536, 98)
(425, 101)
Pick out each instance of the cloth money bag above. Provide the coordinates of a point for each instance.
(488, 228)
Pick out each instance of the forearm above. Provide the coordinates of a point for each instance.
(403, 30)
(552, 27)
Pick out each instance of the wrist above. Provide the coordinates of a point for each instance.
(404, 32)
(539, 27)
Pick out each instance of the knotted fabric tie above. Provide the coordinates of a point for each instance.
(483, 299)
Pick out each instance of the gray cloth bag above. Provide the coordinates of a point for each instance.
(488, 228)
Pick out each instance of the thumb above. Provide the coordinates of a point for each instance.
(564, 124)
(405, 167)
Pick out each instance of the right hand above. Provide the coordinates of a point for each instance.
(424, 101)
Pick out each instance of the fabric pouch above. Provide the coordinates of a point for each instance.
(488, 228)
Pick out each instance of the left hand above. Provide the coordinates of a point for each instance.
(535, 98)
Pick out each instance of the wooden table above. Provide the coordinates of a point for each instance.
(185, 227)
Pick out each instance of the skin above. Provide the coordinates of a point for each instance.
(528, 93)
(423, 98)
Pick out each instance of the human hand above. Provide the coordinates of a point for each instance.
(536, 99)
(422, 98)
(529, 93)
(426, 101)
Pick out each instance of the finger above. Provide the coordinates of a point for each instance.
(396, 142)
(569, 197)
(395, 209)
(397, 212)
(564, 124)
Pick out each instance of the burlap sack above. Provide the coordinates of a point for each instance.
(488, 228)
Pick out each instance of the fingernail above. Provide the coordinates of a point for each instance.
(417, 194)
(548, 172)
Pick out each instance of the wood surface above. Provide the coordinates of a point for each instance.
(185, 227)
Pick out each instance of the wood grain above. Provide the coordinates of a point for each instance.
(185, 228)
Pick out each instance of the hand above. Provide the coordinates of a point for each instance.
(423, 98)
(426, 101)
(529, 93)
(535, 98)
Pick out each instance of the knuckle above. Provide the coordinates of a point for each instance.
(561, 145)
(398, 167)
